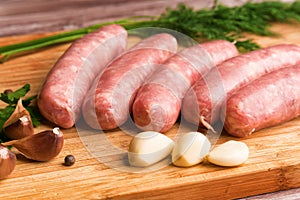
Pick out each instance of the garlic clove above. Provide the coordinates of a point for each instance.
(190, 149)
(149, 147)
(7, 162)
(19, 124)
(42, 146)
(229, 154)
(19, 129)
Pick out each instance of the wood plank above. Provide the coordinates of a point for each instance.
(38, 16)
(44, 16)
(273, 164)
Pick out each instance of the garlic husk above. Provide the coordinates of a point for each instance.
(7, 162)
(42, 146)
(19, 124)
(190, 149)
(148, 148)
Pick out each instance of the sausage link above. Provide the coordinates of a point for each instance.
(267, 101)
(157, 104)
(108, 103)
(66, 85)
(208, 95)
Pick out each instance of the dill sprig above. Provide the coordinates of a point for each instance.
(230, 22)
(219, 22)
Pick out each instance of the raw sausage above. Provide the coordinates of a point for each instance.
(65, 87)
(267, 101)
(108, 104)
(205, 99)
(157, 104)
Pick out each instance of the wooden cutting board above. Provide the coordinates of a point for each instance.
(274, 162)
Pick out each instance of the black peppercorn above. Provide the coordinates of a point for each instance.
(7, 91)
(69, 160)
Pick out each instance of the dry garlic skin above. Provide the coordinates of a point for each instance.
(149, 147)
(229, 154)
(190, 149)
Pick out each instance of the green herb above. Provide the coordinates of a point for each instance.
(219, 22)
(4, 115)
(11, 99)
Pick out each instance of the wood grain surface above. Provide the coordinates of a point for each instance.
(18, 17)
(38, 16)
(274, 153)
(273, 164)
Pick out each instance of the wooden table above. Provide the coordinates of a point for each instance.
(38, 16)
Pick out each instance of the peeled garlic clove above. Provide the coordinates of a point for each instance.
(149, 147)
(19, 124)
(190, 149)
(229, 154)
(7, 162)
(42, 146)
